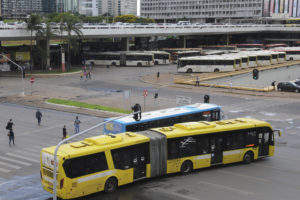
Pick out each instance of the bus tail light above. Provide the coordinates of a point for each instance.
(61, 183)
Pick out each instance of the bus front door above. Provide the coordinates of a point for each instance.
(263, 143)
(216, 150)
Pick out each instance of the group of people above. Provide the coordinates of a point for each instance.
(86, 72)
(38, 115)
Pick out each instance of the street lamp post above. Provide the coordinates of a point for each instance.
(22, 70)
(70, 138)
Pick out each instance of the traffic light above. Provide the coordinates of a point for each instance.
(137, 112)
(255, 74)
(156, 95)
(206, 98)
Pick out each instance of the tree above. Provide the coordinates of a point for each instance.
(47, 33)
(33, 25)
(69, 20)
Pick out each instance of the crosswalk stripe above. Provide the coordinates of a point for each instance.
(32, 150)
(15, 161)
(22, 157)
(4, 170)
(10, 165)
(26, 153)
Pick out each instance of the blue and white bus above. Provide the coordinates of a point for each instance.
(165, 117)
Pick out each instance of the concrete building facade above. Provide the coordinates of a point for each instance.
(215, 10)
(88, 7)
(200, 10)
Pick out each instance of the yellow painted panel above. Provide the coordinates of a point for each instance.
(148, 170)
(271, 150)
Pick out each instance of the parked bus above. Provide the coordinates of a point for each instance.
(263, 58)
(103, 163)
(219, 47)
(161, 57)
(292, 53)
(293, 22)
(165, 117)
(248, 46)
(252, 58)
(177, 53)
(207, 64)
(138, 59)
(272, 46)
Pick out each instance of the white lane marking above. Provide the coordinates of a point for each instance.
(10, 165)
(267, 166)
(242, 175)
(57, 126)
(30, 154)
(4, 170)
(22, 157)
(181, 196)
(226, 188)
(15, 161)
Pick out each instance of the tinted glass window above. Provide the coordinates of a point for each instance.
(128, 157)
(85, 165)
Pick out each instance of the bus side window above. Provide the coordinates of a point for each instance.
(203, 145)
(125, 158)
(251, 137)
(84, 165)
(182, 147)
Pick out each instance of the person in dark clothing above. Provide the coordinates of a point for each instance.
(157, 75)
(38, 116)
(64, 132)
(11, 134)
(197, 81)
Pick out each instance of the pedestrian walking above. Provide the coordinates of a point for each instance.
(38, 116)
(157, 75)
(10, 133)
(86, 75)
(89, 74)
(76, 124)
(197, 81)
(65, 134)
(81, 75)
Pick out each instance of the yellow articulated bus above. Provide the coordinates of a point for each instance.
(103, 163)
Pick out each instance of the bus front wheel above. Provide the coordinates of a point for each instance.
(113, 64)
(248, 157)
(139, 65)
(186, 167)
(189, 70)
(111, 185)
(156, 63)
(216, 70)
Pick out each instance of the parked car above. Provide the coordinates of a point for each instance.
(288, 86)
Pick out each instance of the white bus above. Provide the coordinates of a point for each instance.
(181, 54)
(292, 53)
(161, 57)
(207, 64)
(264, 59)
(120, 59)
(252, 58)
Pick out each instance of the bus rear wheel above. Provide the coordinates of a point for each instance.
(248, 157)
(139, 65)
(111, 185)
(186, 167)
(189, 70)
(156, 63)
(216, 70)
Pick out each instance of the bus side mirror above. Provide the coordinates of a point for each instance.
(278, 132)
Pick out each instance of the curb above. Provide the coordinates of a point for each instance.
(67, 106)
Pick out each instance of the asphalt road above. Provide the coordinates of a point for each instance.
(273, 178)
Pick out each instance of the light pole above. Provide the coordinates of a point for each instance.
(70, 138)
(21, 68)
